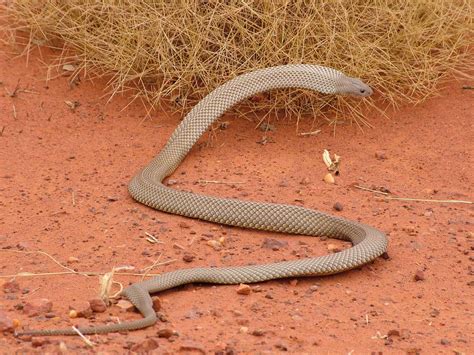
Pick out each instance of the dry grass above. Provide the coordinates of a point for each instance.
(177, 51)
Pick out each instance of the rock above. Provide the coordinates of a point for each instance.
(97, 305)
(244, 289)
(333, 248)
(380, 155)
(338, 206)
(166, 333)
(6, 323)
(184, 225)
(145, 346)
(37, 342)
(274, 244)
(156, 304)
(82, 309)
(393, 333)
(419, 275)
(188, 257)
(445, 342)
(112, 198)
(328, 178)
(72, 260)
(257, 332)
(244, 330)
(305, 181)
(192, 346)
(11, 287)
(126, 305)
(38, 306)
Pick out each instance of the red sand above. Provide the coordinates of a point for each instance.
(63, 178)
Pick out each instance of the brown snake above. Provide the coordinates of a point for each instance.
(147, 188)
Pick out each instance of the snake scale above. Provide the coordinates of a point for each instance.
(147, 188)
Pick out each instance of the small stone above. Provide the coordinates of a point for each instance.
(112, 198)
(188, 257)
(257, 332)
(393, 333)
(333, 248)
(215, 244)
(380, 155)
(434, 312)
(305, 181)
(274, 244)
(192, 346)
(38, 306)
(419, 275)
(156, 304)
(166, 333)
(294, 282)
(11, 286)
(63, 348)
(72, 260)
(6, 323)
(145, 346)
(36, 342)
(72, 313)
(244, 330)
(98, 305)
(184, 225)
(338, 206)
(82, 308)
(244, 289)
(445, 342)
(125, 305)
(328, 178)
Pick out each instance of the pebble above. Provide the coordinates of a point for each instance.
(328, 178)
(333, 248)
(419, 275)
(37, 306)
(126, 305)
(11, 287)
(188, 257)
(36, 342)
(192, 346)
(166, 333)
(274, 244)
(6, 323)
(338, 206)
(244, 289)
(393, 333)
(244, 330)
(82, 309)
(445, 342)
(97, 305)
(380, 155)
(156, 304)
(145, 346)
(258, 332)
(72, 260)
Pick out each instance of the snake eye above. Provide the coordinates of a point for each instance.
(362, 91)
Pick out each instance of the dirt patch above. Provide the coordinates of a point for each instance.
(63, 178)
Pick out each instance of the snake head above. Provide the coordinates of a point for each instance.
(353, 86)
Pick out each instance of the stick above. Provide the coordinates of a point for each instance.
(220, 182)
(86, 340)
(410, 198)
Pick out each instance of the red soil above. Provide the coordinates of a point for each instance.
(63, 191)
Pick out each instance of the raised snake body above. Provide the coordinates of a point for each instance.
(147, 188)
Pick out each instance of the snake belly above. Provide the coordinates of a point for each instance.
(147, 188)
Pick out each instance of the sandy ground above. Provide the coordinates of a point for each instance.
(63, 191)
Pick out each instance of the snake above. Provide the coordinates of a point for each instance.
(147, 187)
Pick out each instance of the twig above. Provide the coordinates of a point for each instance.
(147, 269)
(371, 190)
(86, 340)
(152, 239)
(2, 130)
(428, 200)
(410, 198)
(312, 133)
(73, 198)
(71, 271)
(220, 182)
(14, 111)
